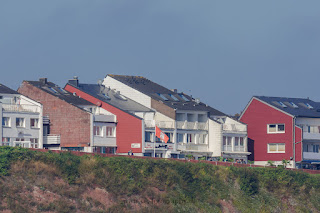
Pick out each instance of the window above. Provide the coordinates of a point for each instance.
(276, 148)
(282, 104)
(239, 144)
(179, 138)
(294, 105)
(6, 122)
(34, 143)
(20, 122)
(173, 97)
(202, 139)
(170, 136)
(97, 131)
(34, 123)
(110, 131)
(62, 90)
(309, 106)
(5, 141)
(162, 97)
(149, 136)
(276, 128)
(190, 138)
(184, 97)
(227, 146)
(53, 90)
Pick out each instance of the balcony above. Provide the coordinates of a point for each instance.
(311, 155)
(101, 141)
(160, 124)
(104, 118)
(234, 128)
(20, 108)
(51, 139)
(192, 125)
(311, 136)
(159, 146)
(193, 147)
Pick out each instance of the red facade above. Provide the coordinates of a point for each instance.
(129, 127)
(258, 115)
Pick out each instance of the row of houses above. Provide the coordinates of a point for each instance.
(119, 115)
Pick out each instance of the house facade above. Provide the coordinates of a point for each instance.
(70, 122)
(283, 129)
(130, 114)
(21, 120)
(193, 127)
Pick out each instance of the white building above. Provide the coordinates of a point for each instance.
(193, 127)
(21, 120)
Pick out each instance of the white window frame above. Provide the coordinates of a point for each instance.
(277, 148)
(277, 129)
(23, 123)
(100, 131)
(36, 121)
(113, 130)
(9, 122)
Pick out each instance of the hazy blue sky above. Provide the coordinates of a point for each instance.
(221, 51)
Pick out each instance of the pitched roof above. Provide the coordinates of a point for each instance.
(6, 90)
(57, 91)
(170, 98)
(111, 97)
(299, 107)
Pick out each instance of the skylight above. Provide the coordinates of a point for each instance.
(294, 105)
(309, 106)
(174, 97)
(184, 97)
(106, 96)
(162, 97)
(282, 104)
(62, 90)
(53, 90)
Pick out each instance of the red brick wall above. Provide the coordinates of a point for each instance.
(129, 128)
(66, 120)
(258, 115)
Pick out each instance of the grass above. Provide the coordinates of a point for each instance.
(36, 181)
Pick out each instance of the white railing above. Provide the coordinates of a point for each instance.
(193, 147)
(100, 141)
(20, 108)
(311, 136)
(104, 118)
(239, 148)
(311, 155)
(51, 139)
(160, 124)
(234, 127)
(192, 125)
(227, 148)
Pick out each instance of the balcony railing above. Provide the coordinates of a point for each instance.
(160, 124)
(192, 125)
(101, 141)
(104, 118)
(20, 108)
(311, 155)
(193, 147)
(51, 139)
(234, 128)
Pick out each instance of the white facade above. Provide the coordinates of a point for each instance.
(22, 123)
(190, 133)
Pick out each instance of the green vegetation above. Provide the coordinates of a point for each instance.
(34, 181)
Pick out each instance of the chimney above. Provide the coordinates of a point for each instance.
(174, 90)
(74, 81)
(43, 80)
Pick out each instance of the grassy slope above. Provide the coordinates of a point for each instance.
(34, 181)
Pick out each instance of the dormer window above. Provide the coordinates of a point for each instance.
(282, 104)
(162, 97)
(309, 106)
(294, 105)
(173, 97)
(184, 97)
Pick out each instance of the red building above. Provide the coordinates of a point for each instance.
(130, 114)
(283, 128)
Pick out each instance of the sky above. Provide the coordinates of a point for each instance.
(220, 51)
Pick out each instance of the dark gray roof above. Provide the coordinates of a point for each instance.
(57, 91)
(6, 90)
(294, 106)
(111, 97)
(171, 98)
